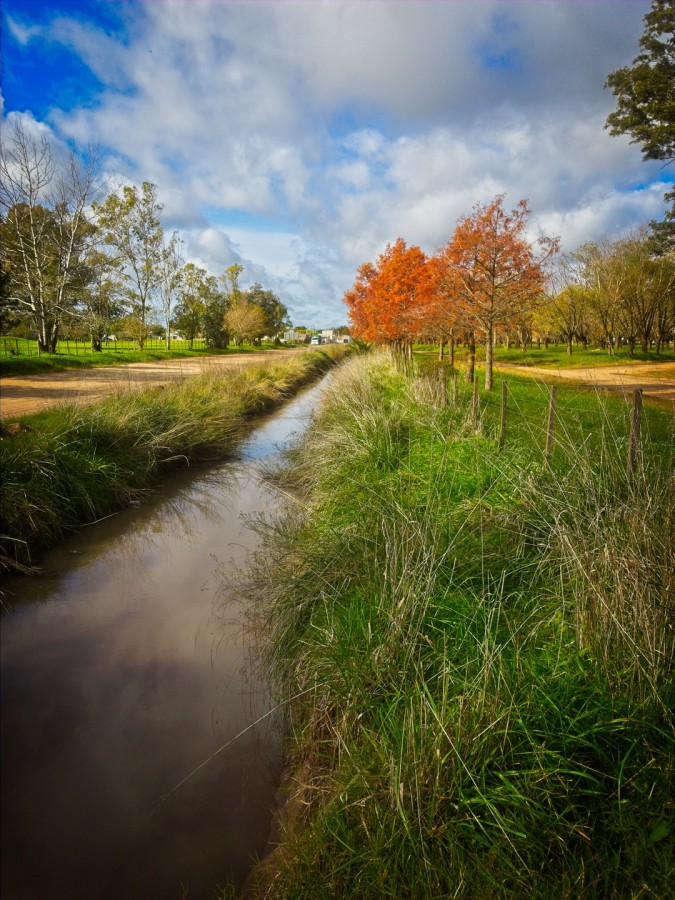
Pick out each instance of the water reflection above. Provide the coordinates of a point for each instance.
(118, 680)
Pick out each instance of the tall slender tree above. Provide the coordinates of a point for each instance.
(100, 300)
(131, 227)
(170, 275)
(495, 269)
(188, 313)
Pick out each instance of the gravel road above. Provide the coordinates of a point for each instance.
(25, 394)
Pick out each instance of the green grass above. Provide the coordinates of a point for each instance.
(556, 356)
(479, 645)
(73, 464)
(19, 356)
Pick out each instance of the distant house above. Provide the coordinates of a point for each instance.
(334, 336)
(291, 335)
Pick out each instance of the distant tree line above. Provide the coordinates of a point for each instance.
(492, 282)
(74, 264)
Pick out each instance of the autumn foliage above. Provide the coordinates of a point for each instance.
(388, 301)
(489, 272)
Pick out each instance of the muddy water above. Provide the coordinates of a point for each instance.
(122, 672)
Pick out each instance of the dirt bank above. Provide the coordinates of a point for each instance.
(26, 394)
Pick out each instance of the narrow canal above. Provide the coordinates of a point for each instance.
(123, 671)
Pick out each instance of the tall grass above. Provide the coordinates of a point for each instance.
(74, 464)
(485, 644)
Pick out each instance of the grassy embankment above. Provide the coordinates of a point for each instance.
(19, 356)
(479, 645)
(73, 464)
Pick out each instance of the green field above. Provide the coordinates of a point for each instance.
(556, 356)
(19, 356)
(473, 646)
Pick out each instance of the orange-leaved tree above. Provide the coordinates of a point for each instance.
(444, 318)
(495, 269)
(360, 302)
(388, 300)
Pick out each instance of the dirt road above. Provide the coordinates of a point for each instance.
(25, 394)
(657, 380)
(22, 395)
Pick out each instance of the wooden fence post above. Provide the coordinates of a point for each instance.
(455, 387)
(502, 421)
(550, 426)
(444, 386)
(634, 439)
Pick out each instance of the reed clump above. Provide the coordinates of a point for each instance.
(74, 464)
(479, 645)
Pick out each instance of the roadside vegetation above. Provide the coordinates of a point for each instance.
(474, 647)
(72, 464)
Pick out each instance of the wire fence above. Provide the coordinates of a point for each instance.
(541, 415)
(24, 347)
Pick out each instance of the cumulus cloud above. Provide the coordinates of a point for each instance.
(347, 124)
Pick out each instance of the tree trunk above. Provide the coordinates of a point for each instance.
(441, 350)
(97, 345)
(47, 345)
(48, 336)
(488, 357)
(471, 361)
(452, 352)
(569, 346)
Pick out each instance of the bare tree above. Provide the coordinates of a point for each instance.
(45, 229)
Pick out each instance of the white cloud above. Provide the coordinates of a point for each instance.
(352, 123)
(22, 33)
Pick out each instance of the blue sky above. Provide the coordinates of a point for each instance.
(299, 137)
